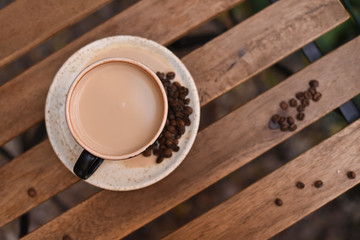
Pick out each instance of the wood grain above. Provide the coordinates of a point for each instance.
(219, 149)
(24, 24)
(276, 8)
(39, 169)
(22, 100)
(252, 214)
(259, 42)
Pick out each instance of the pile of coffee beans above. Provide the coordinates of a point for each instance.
(178, 117)
(301, 101)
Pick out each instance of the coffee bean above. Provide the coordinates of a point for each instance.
(300, 108)
(284, 127)
(300, 116)
(300, 95)
(156, 152)
(351, 175)
(290, 120)
(168, 134)
(162, 147)
(305, 102)
(293, 102)
(170, 75)
(177, 85)
(159, 159)
(307, 95)
(175, 142)
(283, 105)
(180, 123)
(161, 140)
(171, 116)
(275, 118)
(187, 122)
(178, 136)
(314, 83)
(31, 192)
(161, 75)
(175, 148)
(312, 90)
(147, 152)
(187, 101)
(167, 123)
(181, 129)
(167, 153)
(300, 185)
(318, 184)
(171, 129)
(173, 122)
(292, 127)
(179, 115)
(169, 143)
(278, 202)
(188, 110)
(282, 120)
(317, 96)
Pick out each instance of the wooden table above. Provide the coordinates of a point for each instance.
(224, 146)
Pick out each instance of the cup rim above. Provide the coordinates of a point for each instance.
(75, 83)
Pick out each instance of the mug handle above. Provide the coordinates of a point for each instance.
(86, 165)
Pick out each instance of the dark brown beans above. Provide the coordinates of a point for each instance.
(317, 96)
(283, 105)
(187, 122)
(284, 127)
(351, 175)
(307, 95)
(275, 118)
(187, 101)
(168, 134)
(290, 120)
(318, 184)
(314, 83)
(161, 75)
(147, 152)
(293, 102)
(292, 127)
(300, 95)
(171, 129)
(156, 152)
(170, 75)
(162, 140)
(300, 108)
(180, 123)
(167, 122)
(312, 90)
(171, 116)
(159, 159)
(300, 116)
(282, 120)
(173, 122)
(300, 185)
(305, 102)
(278, 202)
(169, 143)
(179, 115)
(188, 110)
(175, 148)
(167, 153)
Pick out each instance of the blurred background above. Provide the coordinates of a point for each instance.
(339, 219)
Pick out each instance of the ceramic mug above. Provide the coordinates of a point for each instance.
(83, 118)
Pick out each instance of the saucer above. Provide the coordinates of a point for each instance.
(137, 172)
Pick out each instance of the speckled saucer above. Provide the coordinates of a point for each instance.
(137, 172)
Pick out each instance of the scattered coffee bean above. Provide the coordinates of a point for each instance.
(156, 152)
(284, 127)
(318, 184)
(300, 185)
(312, 90)
(169, 143)
(300, 108)
(173, 122)
(275, 118)
(170, 75)
(188, 110)
(300, 116)
(187, 101)
(305, 102)
(300, 95)
(282, 120)
(167, 152)
(160, 75)
(168, 134)
(187, 122)
(175, 148)
(307, 95)
(159, 159)
(292, 127)
(171, 129)
(290, 120)
(31, 192)
(317, 96)
(278, 202)
(283, 105)
(314, 83)
(351, 175)
(293, 102)
(147, 152)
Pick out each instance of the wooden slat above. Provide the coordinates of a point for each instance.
(34, 84)
(24, 24)
(39, 169)
(218, 150)
(252, 214)
(276, 10)
(22, 100)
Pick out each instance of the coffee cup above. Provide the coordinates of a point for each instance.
(115, 109)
